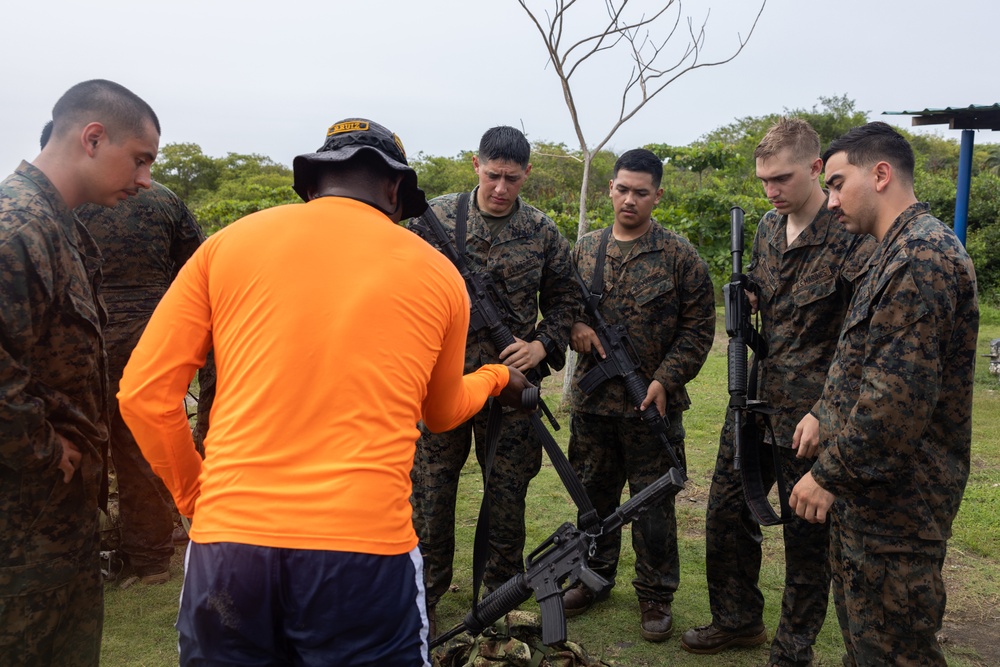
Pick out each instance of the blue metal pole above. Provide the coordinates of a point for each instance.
(964, 185)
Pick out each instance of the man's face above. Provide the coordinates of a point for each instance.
(121, 165)
(499, 183)
(633, 195)
(852, 194)
(788, 182)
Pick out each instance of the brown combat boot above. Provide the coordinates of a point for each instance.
(657, 623)
(578, 599)
(711, 639)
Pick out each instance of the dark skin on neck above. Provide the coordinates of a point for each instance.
(382, 193)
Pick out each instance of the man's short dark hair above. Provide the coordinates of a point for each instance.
(875, 142)
(46, 134)
(505, 143)
(123, 113)
(642, 161)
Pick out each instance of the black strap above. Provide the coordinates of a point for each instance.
(754, 490)
(461, 217)
(481, 545)
(597, 280)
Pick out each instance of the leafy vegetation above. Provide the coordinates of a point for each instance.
(702, 181)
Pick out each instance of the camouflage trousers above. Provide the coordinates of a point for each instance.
(889, 595)
(144, 504)
(733, 557)
(608, 451)
(436, 470)
(60, 624)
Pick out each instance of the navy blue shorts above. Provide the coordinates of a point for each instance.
(247, 605)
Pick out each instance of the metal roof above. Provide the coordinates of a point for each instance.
(972, 117)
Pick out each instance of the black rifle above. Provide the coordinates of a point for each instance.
(560, 559)
(742, 334)
(622, 361)
(488, 305)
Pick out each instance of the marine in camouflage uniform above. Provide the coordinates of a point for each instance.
(660, 290)
(53, 380)
(895, 416)
(144, 240)
(804, 288)
(529, 261)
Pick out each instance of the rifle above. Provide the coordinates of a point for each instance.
(622, 361)
(560, 559)
(746, 455)
(488, 305)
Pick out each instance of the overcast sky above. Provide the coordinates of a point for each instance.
(270, 77)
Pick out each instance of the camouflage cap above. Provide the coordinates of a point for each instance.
(343, 140)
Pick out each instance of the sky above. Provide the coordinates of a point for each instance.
(270, 77)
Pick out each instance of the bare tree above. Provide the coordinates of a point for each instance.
(646, 80)
(648, 76)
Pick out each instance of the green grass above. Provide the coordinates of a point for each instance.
(139, 621)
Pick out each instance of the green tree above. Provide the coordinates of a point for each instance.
(186, 170)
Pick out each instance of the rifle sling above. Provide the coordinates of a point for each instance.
(461, 220)
(597, 282)
(754, 490)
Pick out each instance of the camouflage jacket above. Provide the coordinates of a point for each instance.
(53, 372)
(530, 264)
(145, 241)
(896, 411)
(805, 289)
(663, 295)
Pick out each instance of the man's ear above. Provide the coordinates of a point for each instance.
(883, 175)
(816, 168)
(393, 188)
(92, 135)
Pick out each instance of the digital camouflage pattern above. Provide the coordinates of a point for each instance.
(663, 295)
(895, 421)
(530, 264)
(804, 292)
(607, 452)
(53, 379)
(514, 641)
(145, 240)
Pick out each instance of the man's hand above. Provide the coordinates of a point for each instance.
(523, 355)
(510, 396)
(582, 339)
(71, 458)
(752, 298)
(655, 394)
(810, 500)
(806, 438)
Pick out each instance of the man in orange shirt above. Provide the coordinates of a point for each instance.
(302, 546)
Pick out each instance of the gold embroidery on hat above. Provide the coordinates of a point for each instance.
(347, 126)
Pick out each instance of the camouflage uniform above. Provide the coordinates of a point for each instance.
(144, 240)
(53, 380)
(805, 289)
(663, 294)
(895, 421)
(530, 264)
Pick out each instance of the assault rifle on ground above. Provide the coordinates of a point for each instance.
(622, 361)
(743, 385)
(560, 559)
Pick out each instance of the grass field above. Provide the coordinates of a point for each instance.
(139, 621)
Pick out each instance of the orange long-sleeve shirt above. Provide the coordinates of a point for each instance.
(334, 331)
